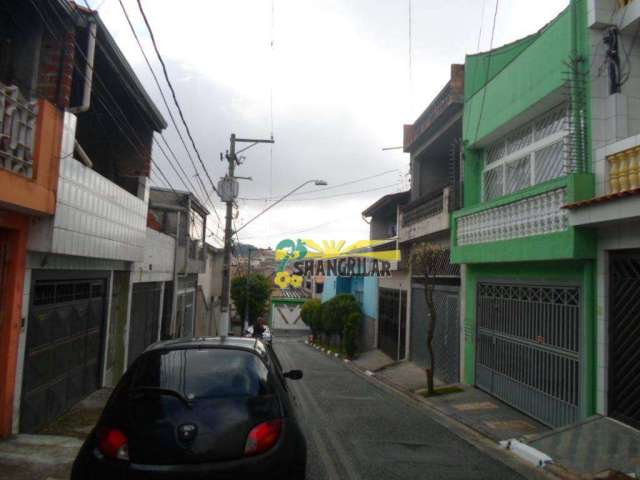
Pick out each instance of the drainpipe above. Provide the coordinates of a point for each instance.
(88, 71)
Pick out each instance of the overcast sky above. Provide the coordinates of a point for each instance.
(342, 87)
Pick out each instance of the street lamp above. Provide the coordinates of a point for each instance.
(227, 293)
(315, 182)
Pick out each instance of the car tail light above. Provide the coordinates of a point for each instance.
(262, 437)
(113, 443)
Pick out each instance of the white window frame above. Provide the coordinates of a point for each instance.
(528, 151)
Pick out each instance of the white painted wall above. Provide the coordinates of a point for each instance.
(286, 316)
(158, 256)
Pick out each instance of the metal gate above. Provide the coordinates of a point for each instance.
(528, 348)
(63, 348)
(624, 341)
(446, 341)
(145, 313)
(392, 322)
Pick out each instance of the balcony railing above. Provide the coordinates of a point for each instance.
(422, 208)
(17, 127)
(426, 215)
(624, 170)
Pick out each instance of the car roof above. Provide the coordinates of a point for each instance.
(238, 343)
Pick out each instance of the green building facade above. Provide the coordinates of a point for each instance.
(528, 302)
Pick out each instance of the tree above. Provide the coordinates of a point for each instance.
(258, 289)
(425, 258)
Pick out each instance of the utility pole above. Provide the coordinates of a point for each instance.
(228, 190)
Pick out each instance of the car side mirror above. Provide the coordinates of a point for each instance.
(293, 374)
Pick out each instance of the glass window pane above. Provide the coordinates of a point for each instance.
(493, 183)
(520, 139)
(518, 174)
(550, 162)
(551, 123)
(205, 373)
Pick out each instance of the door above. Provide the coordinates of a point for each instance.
(392, 319)
(624, 337)
(145, 313)
(446, 341)
(63, 348)
(528, 348)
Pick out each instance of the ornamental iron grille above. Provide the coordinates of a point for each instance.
(624, 332)
(528, 348)
(17, 127)
(446, 341)
(63, 348)
(537, 215)
(531, 154)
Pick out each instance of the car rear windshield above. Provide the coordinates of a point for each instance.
(204, 373)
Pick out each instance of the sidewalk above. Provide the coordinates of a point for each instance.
(49, 455)
(598, 447)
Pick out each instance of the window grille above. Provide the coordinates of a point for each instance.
(531, 154)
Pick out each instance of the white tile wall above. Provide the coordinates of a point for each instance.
(94, 216)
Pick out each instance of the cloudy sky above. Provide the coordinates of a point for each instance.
(333, 80)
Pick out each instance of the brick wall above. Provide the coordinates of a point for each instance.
(55, 73)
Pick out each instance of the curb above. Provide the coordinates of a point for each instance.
(472, 436)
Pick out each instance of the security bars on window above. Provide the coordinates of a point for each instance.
(531, 154)
(17, 126)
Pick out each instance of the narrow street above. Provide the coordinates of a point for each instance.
(357, 431)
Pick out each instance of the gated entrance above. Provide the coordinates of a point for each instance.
(446, 341)
(63, 348)
(528, 348)
(624, 337)
(145, 312)
(392, 322)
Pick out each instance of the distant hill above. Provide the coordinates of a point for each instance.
(242, 249)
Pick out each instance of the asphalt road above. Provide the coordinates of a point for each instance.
(356, 430)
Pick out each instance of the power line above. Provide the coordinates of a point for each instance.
(325, 189)
(484, 3)
(162, 95)
(173, 94)
(326, 197)
(484, 90)
(111, 61)
(99, 96)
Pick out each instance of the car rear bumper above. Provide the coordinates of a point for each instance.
(275, 464)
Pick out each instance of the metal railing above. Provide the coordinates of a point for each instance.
(17, 127)
(422, 208)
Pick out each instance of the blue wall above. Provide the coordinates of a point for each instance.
(365, 289)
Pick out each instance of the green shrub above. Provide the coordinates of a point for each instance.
(311, 313)
(336, 311)
(350, 333)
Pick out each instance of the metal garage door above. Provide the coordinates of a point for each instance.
(624, 331)
(63, 348)
(392, 321)
(145, 313)
(446, 341)
(527, 348)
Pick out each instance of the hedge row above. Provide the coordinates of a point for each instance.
(338, 318)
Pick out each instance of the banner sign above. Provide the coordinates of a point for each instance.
(306, 258)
